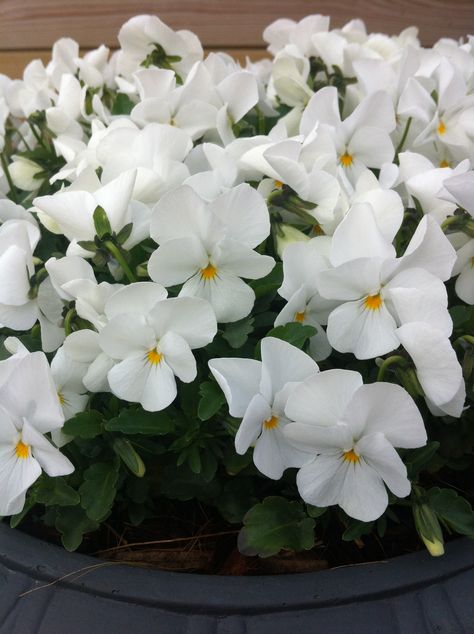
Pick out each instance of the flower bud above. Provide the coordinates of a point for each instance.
(23, 172)
(429, 529)
(285, 235)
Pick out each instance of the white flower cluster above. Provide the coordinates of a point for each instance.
(329, 149)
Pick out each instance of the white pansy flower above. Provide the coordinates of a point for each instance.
(73, 210)
(151, 339)
(209, 247)
(379, 292)
(29, 409)
(301, 264)
(437, 367)
(257, 392)
(352, 430)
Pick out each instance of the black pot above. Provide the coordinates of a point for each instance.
(413, 594)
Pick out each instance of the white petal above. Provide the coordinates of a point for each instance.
(437, 366)
(62, 270)
(178, 356)
(159, 390)
(127, 335)
(82, 346)
(320, 481)
(351, 280)
(30, 393)
(14, 279)
(379, 454)
(95, 379)
(239, 379)
(138, 298)
(50, 458)
(189, 317)
(429, 249)
(230, 297)
(257, 412)
(114, 198)
(363, 495)
(244, 213)
(365, 332)
(283, 363)
(16, 477)
(319, 438)
(358, 236)
(416, 295)
(240, 260)
(322, 398)
(177, 260)
(389, 409)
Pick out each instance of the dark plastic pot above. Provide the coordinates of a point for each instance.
(413, 594)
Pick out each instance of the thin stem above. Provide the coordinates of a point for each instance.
(396, 358)
(8, 177)
(71, 313)
(115, 252)
(404, 137)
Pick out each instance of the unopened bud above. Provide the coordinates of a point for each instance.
(285, 235)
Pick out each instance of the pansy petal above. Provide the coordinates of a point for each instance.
(178, 356)
(191, 318)
(48, 456)
(379, 454)
(322, 398)
(257, 412)
(389, 409)
(239, 379)
(177, 260)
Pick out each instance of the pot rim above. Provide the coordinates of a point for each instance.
(47, 563)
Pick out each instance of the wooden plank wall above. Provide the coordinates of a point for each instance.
(28, 28)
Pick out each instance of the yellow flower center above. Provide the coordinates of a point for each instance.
(346, 160)
(300, 316)
(278, 184)
(351, 456)
(209, 273)
(373, 302)
(444, 163)
(154, 357)
(472, 262)
(318, 230)
(441, 128)
(271, 423)
(22, 451)
(61, 398)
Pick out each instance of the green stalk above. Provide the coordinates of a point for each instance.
(115, 252)
(396, 358)
(8, 177)
(403, 139)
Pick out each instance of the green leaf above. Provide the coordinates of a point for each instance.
(315, 511)
(180, 483)
(122, 104)
(270, 283)
(84, 425)
(124, 449)
(356, 529)
(15, 520)
(124, 233)
(295, 333)
(101, 222)
(417, 459)
(212, 399)
(99, 489)
(236, 498)
(137, 421)
(55, 492)
(273, 525)
(453, 509)
(236, 333)
(72, 522)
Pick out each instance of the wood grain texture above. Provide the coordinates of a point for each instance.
(12, 63)
(219, 23)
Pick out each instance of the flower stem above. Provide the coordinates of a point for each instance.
(115, 252)
(396, 358)
(403, 139)
(8, 177)
(71, 313)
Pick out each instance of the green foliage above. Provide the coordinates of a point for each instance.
(295, 333)
(99, 489)
(355, 529)
(72, 522)
(273, 525)
(134, 420)
(55, 492)
(122, 104)
(237, 332)
(87, 424)
(125, 451)
(212, 399)
(452, 509)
